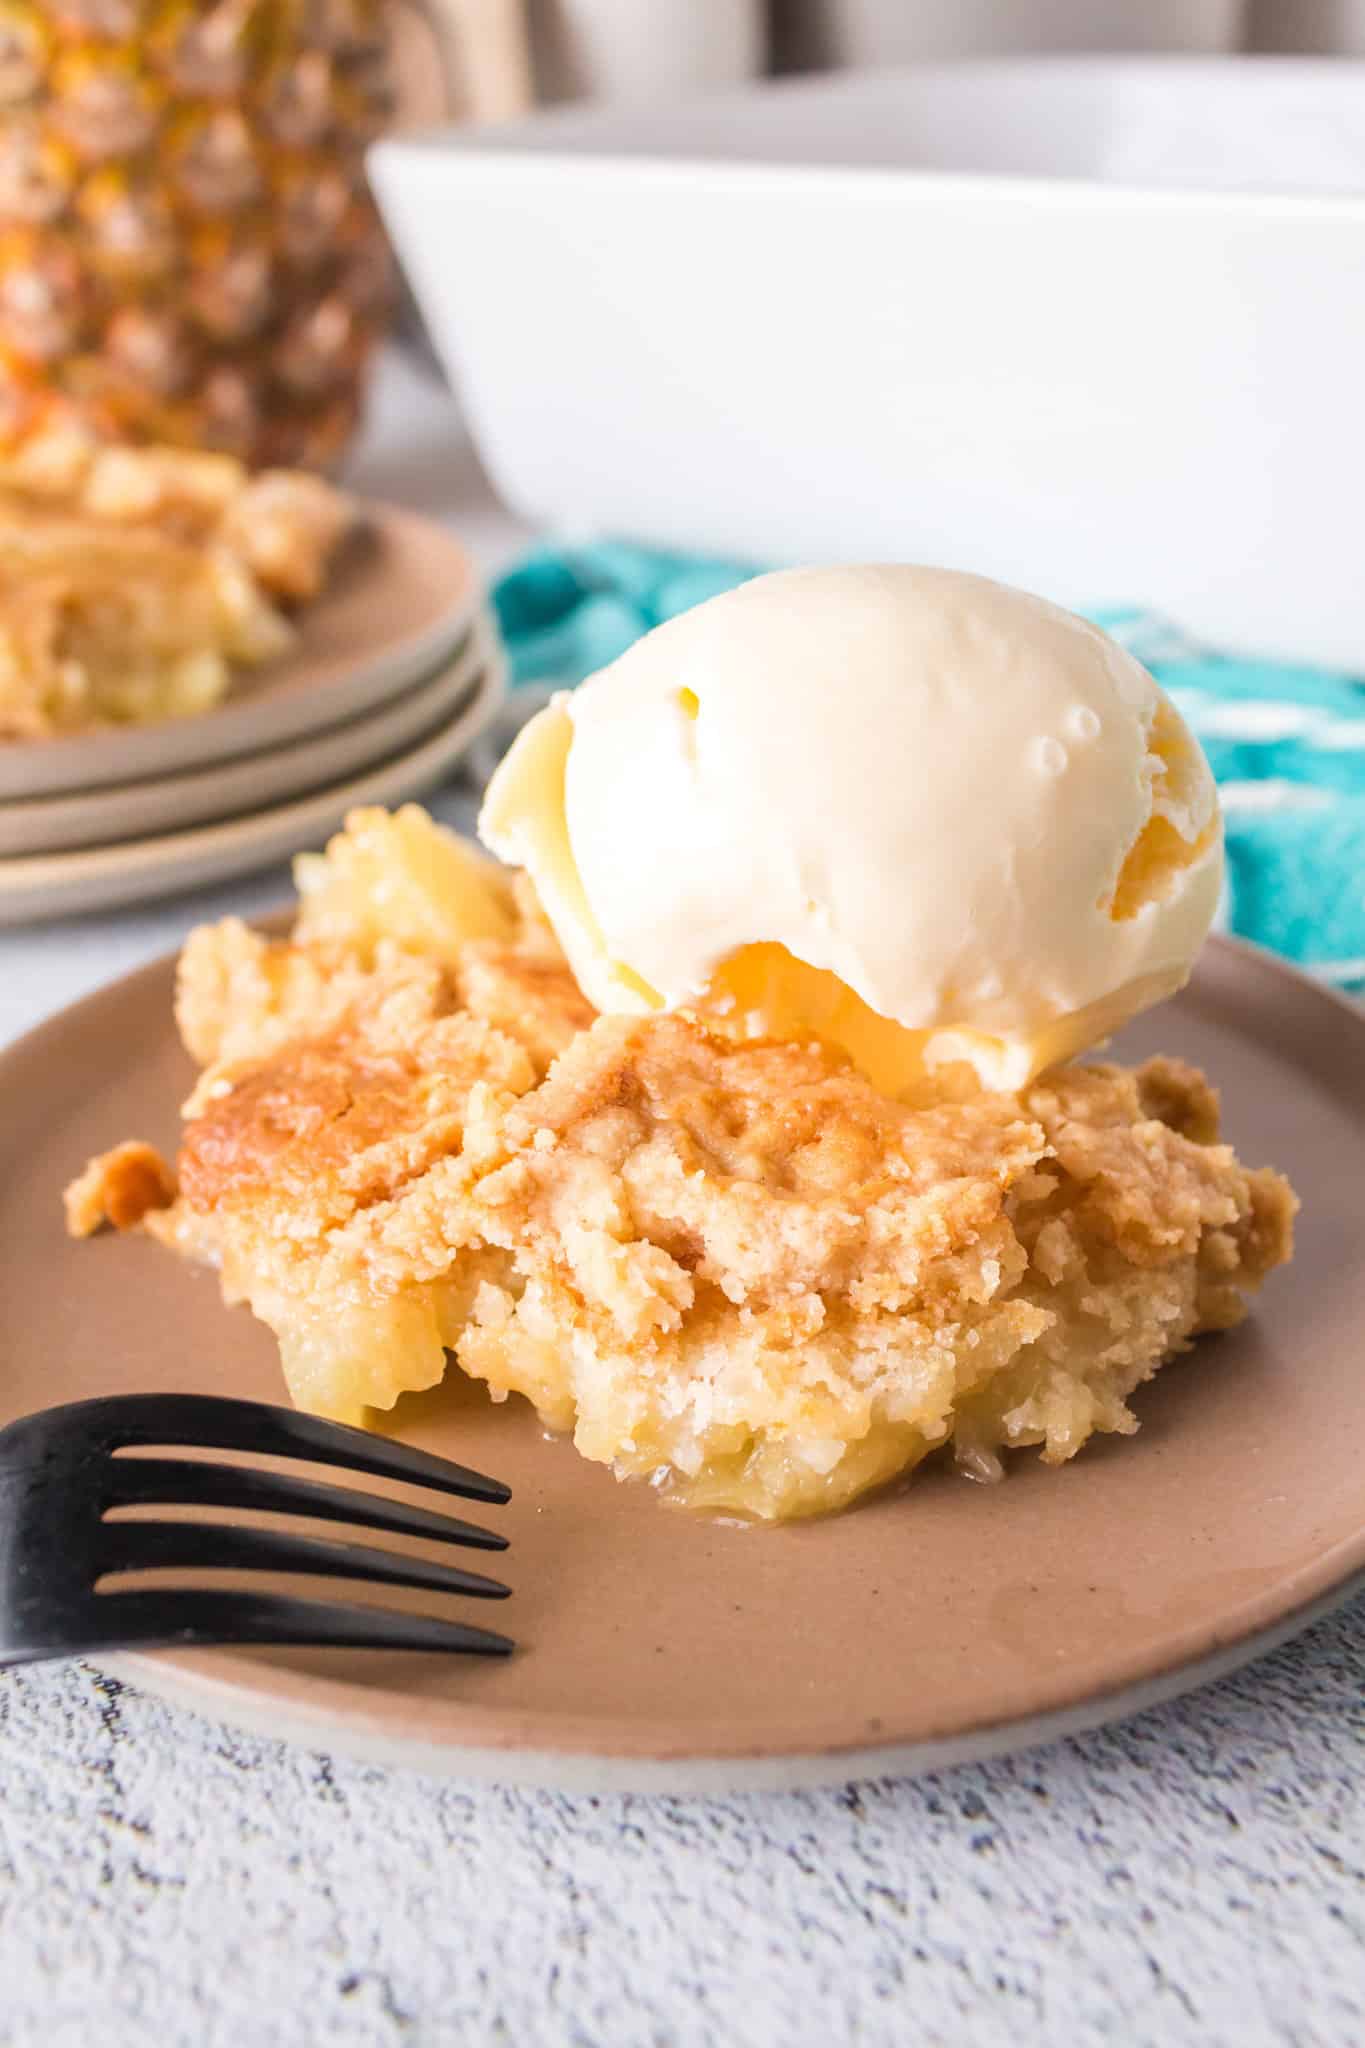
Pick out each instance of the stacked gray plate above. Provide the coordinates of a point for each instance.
(396, 671)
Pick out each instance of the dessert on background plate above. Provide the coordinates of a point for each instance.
(135, 581)
(743, 1130)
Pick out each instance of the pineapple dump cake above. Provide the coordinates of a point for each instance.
(734, 1233)
(135, 581)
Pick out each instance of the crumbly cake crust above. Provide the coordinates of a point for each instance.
(133, 581)
(734, 1265)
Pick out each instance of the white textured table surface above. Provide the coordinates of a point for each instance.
(1193, 1876)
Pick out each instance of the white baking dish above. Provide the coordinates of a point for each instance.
(1094, 326)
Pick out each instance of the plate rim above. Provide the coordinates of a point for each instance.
(535, 1747)
(446, 687)
(170, 1676)
(89, 878)
(234, 728)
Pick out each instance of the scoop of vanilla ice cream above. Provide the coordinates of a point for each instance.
(917, 812)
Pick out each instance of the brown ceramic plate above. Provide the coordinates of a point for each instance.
(402, 594)
(664, 1651)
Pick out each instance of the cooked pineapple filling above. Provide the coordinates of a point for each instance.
(736, 1268)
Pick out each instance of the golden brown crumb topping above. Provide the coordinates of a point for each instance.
(733, 1263)
(119, 1187)
(133, 581)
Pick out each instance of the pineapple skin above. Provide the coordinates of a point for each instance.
(188, 251)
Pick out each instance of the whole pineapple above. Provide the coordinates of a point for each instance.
(187, 249)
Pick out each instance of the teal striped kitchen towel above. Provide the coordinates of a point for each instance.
(1287, 744)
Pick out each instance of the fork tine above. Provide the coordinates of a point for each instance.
(157, 1620)
(228, 1425)
(139, 1546)
(185, 1482)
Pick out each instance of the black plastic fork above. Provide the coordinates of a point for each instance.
(59, 1479)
